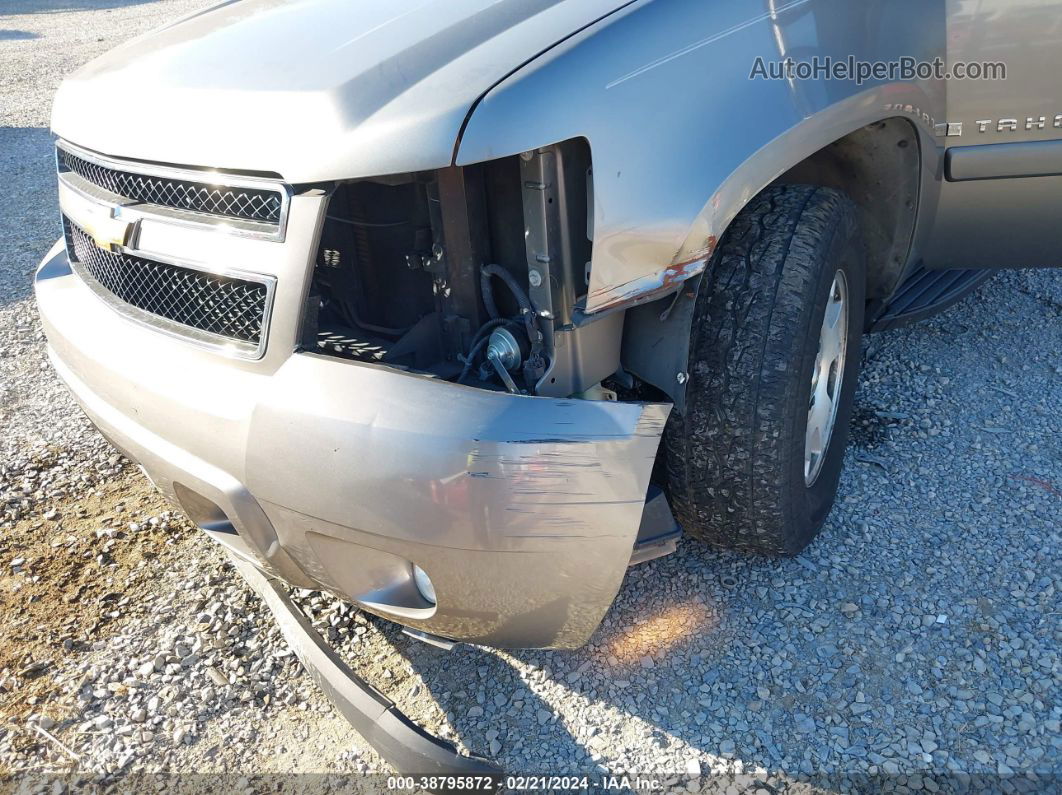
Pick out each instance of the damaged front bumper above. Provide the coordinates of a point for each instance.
(403, 744)
(341, 476)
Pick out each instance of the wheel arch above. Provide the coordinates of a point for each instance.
(879, 167)
(884, 165)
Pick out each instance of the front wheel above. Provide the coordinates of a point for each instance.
(754, 461)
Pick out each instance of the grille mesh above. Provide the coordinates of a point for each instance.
(221, 305)
(249, 204)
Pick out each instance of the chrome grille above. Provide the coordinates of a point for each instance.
(250, 204)
(223, 306)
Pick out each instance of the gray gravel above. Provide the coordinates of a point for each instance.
(40, 42)
(919, 635)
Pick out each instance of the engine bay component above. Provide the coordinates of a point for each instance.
(470, 274)
(503, 374)
(505, 354)
(505, 349)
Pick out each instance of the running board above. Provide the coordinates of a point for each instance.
(658, 534)
(925, 293)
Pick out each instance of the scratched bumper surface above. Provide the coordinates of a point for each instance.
(339, 475)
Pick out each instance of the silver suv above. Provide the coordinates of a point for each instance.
(444, 307)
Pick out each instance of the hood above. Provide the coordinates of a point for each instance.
(310, 89)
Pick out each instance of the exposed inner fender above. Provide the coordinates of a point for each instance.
(878, 166)
(656, 341)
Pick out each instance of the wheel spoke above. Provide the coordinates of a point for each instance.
(829, 347)
(834, 309)
(819, 420)
(826, 378)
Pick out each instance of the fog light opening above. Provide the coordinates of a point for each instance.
(423, 583)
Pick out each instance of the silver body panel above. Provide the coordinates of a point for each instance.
(1007, 218)
(384, 88)
(681, 137)
(310, 89)
(339, 475)
(523, 510)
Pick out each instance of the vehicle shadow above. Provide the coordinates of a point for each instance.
(29, 224)
(653, 656)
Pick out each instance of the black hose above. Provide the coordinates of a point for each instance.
(510, 282)
(387, 331)
(526, 308)
(490, 325)
(471, 358)
(369, 224)
(354, 320)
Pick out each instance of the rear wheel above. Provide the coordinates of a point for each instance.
(753, 463)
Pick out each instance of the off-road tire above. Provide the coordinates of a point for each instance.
(735, 457)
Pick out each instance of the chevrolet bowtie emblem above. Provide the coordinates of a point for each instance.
(108, 233)
(98, 220)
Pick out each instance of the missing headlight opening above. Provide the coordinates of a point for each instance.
(468, 274)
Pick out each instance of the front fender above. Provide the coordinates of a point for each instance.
(681, 135)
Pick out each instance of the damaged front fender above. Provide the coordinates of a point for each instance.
(651, 286)
(682, 137)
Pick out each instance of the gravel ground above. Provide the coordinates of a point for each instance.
(919, 635)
